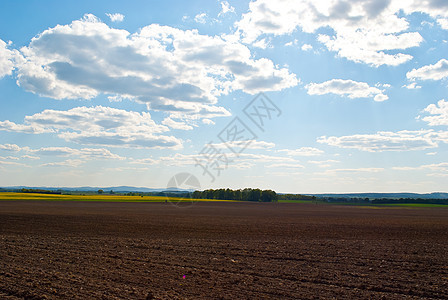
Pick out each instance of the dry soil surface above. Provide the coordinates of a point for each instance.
(81, 250)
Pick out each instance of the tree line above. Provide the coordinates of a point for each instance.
(296, 197)
(40, 191)
(409, 201)
(248, 194)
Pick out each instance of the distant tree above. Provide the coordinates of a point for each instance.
(248, 194)
(100, 192)
(268, 196)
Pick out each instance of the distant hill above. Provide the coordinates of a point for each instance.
(120, 189)
(436, 195)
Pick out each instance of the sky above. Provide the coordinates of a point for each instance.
(297, 96)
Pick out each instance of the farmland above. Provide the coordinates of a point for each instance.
(92, 198)
(116, 250)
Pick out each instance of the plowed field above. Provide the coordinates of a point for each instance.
(89, 250)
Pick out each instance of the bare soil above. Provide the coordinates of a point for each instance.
(82, 250)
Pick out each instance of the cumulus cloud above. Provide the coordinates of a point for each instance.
(208, 122)
(303, 151)
(365, 31)
(286, 165)
(167, 68)
(306, 47)
(262, 44)
(348, 88)
(72, 163)
(6, 59)
(85, 153)
(438, 113)
(9, 158)
(226, 8)
(437, 71)
(10, 147)
(385, 141)
(412, 86)
(438, 166)
(201, 18)
(250, 144)
(353, 170)
(176, 124)
(23, 128)
(32, 157)
(443, 23)
(116, 17)
(98, 126)
(144, 161)
(55, 151)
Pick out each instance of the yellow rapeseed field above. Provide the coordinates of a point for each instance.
(98, 198)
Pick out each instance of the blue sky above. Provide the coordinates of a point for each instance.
(352, 95)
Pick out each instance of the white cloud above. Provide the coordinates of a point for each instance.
(226, 8)
(303, 151)
(384, 141)
(144, 161)
(114, 139)
(101, 153)
(118, 98)
(358, 47)
(176, 125)
(323, 163)
(85, 153)
(104, 126)
(191, 111)
(208, 122)
(348, 88)
(412, 86)
(6, 59)
(292, 43)
(10, 147)
(440, 169)
(353, 170)
(436, 71)
(306, 47)
(439, 114)
(9, 158)
(24, 128)
(443, 23)
(167, 68)
(263, 158)
(440, 136)
(251, 144)
(116, 17)
(262, 44)
(201, 18)
(285, 165)
(30, 157)
(380, 97)
(365, 31)
(55, 151)
(437, 9)
(67, 163)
